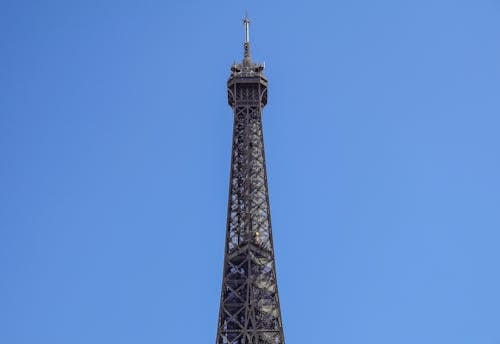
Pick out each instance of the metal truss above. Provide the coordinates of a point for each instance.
(249, 306)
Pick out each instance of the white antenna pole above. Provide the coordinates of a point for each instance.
(246, 21)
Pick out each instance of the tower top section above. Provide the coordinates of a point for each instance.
(247, 68)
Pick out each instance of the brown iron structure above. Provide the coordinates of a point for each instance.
(249, 306)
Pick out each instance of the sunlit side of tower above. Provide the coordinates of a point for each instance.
(249, 306)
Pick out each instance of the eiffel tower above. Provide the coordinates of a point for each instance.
(249, 305)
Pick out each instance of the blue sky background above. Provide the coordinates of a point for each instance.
(382, 141)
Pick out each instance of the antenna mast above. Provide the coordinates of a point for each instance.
(246, 45)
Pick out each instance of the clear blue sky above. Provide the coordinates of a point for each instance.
(383, 147)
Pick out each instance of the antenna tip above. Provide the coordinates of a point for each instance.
(246, 22)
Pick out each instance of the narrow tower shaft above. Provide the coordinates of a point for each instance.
(249, 307)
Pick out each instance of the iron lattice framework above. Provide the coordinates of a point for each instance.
(249, 306)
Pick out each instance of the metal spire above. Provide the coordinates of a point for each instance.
(246, 22)
(247, 59)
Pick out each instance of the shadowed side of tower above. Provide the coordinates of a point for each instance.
(249, 306)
